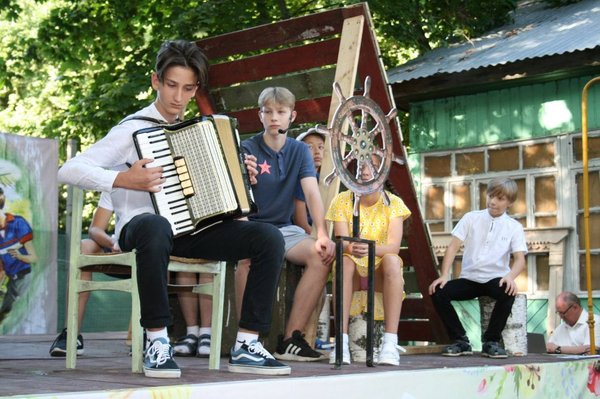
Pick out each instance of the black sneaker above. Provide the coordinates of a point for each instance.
(186, 346)
(296, 349)
(204, 345)
(158, 360)
(252, 358)
(458, 348)
(494, 350)
(59, 346)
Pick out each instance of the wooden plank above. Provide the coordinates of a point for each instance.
(309, 27)
(308, 56)
(108, 269)
(345, 76)
(27, 370)
(423, 349)
(413, 308)
(415, 330)
(306, 85)
(406, 256)
(308, 111)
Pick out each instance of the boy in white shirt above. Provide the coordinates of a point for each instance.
(489, 236)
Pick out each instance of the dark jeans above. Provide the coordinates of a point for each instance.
(462, 289)
(229, 241)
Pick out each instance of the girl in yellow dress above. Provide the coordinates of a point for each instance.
(382, 224)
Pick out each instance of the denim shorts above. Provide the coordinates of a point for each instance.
(292, 235)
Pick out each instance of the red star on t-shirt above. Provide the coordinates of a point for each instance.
(264, 167)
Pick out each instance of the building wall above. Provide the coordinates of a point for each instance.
(497, 116)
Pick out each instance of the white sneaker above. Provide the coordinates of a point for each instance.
(345, 355)
(389, 354)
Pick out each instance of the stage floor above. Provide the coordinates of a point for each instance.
(27, 370)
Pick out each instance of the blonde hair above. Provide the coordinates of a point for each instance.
(278, 95)
(503, 186)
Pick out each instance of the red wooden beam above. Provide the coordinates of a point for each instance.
(280, 62)
(413, 308)
(416, 330)
(309, 27)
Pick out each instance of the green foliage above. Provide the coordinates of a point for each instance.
(413, 27)
(71, 69)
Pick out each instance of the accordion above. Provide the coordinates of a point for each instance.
(206, 178)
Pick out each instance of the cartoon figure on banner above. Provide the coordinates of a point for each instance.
(17, 252)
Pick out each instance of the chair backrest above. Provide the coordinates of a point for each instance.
(76, 215)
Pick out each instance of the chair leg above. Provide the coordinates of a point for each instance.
(218, 295)
(72, 311)
(128, 338)
(137, 349)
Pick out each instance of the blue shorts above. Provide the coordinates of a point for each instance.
(292, 235)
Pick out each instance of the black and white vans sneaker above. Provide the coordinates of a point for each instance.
(158, 360)
(59, 346)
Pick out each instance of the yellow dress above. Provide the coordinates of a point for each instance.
(374, 223)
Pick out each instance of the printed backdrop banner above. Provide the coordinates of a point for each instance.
(28, 284)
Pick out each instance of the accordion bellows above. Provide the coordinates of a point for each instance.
(206, 178)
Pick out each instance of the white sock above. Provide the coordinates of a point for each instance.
(192, 330)
(204, 331)
(243, 337)
(152, 335)
(390, 337)
(345, 340)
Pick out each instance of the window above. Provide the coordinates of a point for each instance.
(594, 229)
(456, 183)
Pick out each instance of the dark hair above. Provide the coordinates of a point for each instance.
(2, 198)
(182, 53)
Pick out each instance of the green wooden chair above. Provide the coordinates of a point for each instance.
(124, 263)
(216, 289)
(117, 263)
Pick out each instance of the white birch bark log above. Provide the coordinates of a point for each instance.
(357, 338)
(324, 318)
(514, 335)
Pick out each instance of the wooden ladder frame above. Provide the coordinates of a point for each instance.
(307, 54)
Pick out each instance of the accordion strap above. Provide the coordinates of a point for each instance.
(143, 118)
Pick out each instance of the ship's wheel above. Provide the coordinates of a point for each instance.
(359, 130)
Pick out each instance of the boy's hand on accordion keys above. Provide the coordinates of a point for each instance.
(250, 161)
(139, 177)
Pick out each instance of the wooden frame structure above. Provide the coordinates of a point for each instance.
(307, 54)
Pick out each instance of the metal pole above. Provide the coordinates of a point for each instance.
(339, 278)
(371, 304)
(586, 210)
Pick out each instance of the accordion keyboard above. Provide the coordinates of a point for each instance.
(170, 200)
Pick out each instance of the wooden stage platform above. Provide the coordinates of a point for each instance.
(27, 371)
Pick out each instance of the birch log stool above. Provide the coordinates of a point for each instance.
(357, 337)
(514, 335)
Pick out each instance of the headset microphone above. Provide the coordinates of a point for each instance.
(284, 131)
